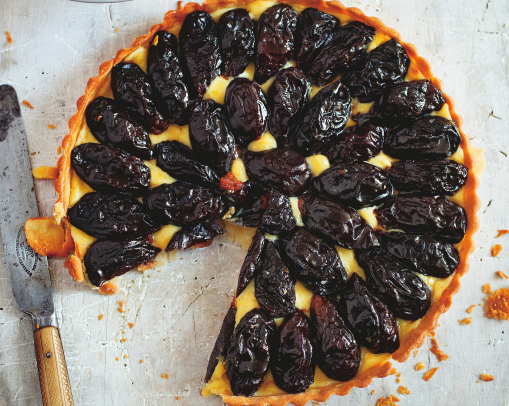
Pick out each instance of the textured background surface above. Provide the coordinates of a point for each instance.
(57, 45)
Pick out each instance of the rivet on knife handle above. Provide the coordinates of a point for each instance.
(55, 387)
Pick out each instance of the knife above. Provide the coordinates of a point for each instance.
(29, 272)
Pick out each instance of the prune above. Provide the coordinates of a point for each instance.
(437, 216)
(323, 119)
(211, 138)
(336, 223)
(370, 320)
(197, 234)
(111, 217)
(286, 99)
(444, 177)
(278, 216)
(358, 143)
(133, 90)
(110, 170)
(106, 259)
(292, 355)
(281, 169)
(274, 285)
(164, 69)
(247, 110)
(234, 190)
(430, 137)
(313, 262)
(237, 32)
(200, 51)
(356, 185)
(315, 30)
(422, 253)
(407, 101)
(384, 66)
(336, 350)
(111, 124)
(401, 290)
(274, 40)
(252, 261)
(180, 162)
(222, 342)
(253, 207)
(249, 352)
(347, 45)
(181, 204)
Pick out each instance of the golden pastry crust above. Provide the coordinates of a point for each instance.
(412, 340)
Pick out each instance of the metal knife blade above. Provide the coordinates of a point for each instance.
(29, 272)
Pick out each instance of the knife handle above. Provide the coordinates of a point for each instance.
(55, 387)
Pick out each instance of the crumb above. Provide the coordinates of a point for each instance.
(476, 381)
(162, 376)
(51, 126)
(428, 375)
(59, 150)
(373, 392)
(121, 307)
(126, 356)
(470, 309)
(176, 397)
(501, 233)
(116, 29)
(100, 317)
(398, 375)
(486, 288)
(465, 321)
(403, 390)
(123, 340)
(116, 358)
(501, 274)
(27, 103)
(123, 331)
(419, 366)
(34, 153)
(487, 378)
(398, 380)
(131, 325)
(415, 353)
(441, 356)
(166, 376)
(389, 401)
(495, 250)
(392, 371)
(141, 361)
(497, 304)
(9, 38)
(480, 304)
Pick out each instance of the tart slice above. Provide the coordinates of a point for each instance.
(315, 128)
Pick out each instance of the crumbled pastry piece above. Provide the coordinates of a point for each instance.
(501, 274)
(465, 321)
(52, 126)
(470, 309)
(100, 317)
(497, 304)
(419, 367)
(441, 356)
(389, 401)
(27, 103)
(486, 377)
(403, 390)
(495, 250)
(486, 288)
(501, 233)
(9, 38)
(428, 375)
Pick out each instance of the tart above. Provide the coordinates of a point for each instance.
(321, 133)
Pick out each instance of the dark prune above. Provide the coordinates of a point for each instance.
(430, 137)
(274, 40)
(356, 185)
(444, 177)
(313, 262)
(422, 253)
(370, 320)
(237, 32)
(110, 170)
(384, 66)
(180, 162)
(336, 350)
(322, 120)
(106, 259)
(234, 190)
(111, 124)
(252, 261)
(200, 52)
(249, 352)
(437, 216)
(274, 285)
(253, 207)
(357, 143)
(281, 169)
(286, 99)
(292, 355)
(199, 234)
(347, 45)
(164, 69)
(315, 30)
(111, 217)
(407, 101)
(247, 110)
(401, 290)
(133, 90)
(278, 216)
(339, 224)
(211, 138)
(181, 204)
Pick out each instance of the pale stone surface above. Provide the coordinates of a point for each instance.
(57, 45)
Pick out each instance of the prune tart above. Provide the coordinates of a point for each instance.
(324, 135)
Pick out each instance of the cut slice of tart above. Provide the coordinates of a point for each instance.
(314, 132)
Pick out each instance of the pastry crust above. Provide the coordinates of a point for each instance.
(412, 340)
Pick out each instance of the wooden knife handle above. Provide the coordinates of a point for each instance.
(55, 387)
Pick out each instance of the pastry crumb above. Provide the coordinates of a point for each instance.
(393, 371)
(100, 317)
(500, 274)
(123, 340)
(486, 288)
(398, 380)
(373, 392)
(495, 250)
(131, 325)
(470, 309)
(116, 29)
(162, 376)
(465, 321)
(428, 375)
(419, 366)
(116, 358)
(441, 356)
(389, 401)
(121, 307)
(403, 390)
(51, 126)
(497, 304)
(126, 356)
(9, 38)
(415, 353)
(27, 103)
(59, 150)
(141, 361)
(501, 233)
(487, 378)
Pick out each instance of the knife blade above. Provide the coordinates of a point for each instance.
(28, 272)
